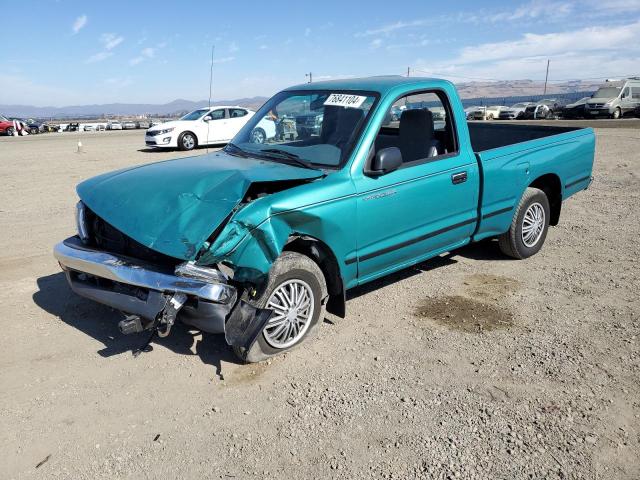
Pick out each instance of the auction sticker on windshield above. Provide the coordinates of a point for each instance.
(344, 100)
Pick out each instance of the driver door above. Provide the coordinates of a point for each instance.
(217, 126)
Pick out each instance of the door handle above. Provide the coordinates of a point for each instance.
(460, 177)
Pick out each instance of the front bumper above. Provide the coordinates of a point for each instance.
(159, 140)
(142, 289)
(597, 112)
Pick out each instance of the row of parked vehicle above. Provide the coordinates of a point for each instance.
(615, 99)
(31, 126)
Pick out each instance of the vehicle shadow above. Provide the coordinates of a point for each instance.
(100, 322)
(483, 250)
(426, 266)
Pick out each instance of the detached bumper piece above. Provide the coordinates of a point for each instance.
(155, 297)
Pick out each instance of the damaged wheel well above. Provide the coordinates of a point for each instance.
(320, 253)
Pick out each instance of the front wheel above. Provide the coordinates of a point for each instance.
(529, 226)
(258, 135)
(187, 141)
(295, 292)
(617, 113)
(10, 131)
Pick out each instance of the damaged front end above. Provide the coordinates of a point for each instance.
(155, 297)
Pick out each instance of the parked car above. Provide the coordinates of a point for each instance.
(6, 126)
(89, 128)
(636, 112)
(100, 127)
(295, 224)
(114, 126)
(72, 127)
(543, 109)
(469, 112)
(32, 126)
(614, 99)
(308, 124)
(201, 127)
(264, 131)
(487, 113)
(128, 126)
(514, 111)
(143, 124)
(575, 109)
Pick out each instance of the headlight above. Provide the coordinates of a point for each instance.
(153, 133)
(81, 222)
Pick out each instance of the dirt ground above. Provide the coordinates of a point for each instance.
(466, 366)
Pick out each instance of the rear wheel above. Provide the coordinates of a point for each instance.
(187, 141)
(295, 292)
(529, 226)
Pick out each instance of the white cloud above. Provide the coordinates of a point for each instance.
(233, 47)
(534, 9)
(263, 47)
(224, 59)
(98, 57)
(136, 61)
(146, 53)
(390, 28)
(376, 43)
(110, 40)
(592, 52)
(533, 44)
(79, 23)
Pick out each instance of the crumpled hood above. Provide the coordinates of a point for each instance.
(174, 206)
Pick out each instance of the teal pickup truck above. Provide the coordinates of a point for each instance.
(258, 240)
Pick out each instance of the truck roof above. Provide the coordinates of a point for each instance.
(379, 84)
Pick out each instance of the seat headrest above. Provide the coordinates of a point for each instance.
(417, 122)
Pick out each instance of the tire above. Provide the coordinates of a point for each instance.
(33, 131)
(187, 141)
(9, 131)
(258, 135)
(290, 270)
(534, 204)
(490, 117)
(617, 113)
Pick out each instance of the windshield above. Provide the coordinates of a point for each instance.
(313, 127)
(607, 92)
(196, 114)
(3, 118)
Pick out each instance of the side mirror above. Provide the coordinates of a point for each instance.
(386, 161)
(207, 118)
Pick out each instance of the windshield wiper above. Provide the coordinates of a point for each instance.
(233, 149)
(289, 156)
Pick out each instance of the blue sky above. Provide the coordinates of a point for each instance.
(70, 52)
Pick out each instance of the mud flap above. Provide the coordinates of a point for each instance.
(244, 325)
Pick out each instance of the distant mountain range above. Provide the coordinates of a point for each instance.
(467, 90)
(121, 109)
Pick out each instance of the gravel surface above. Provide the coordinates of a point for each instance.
(465, 366)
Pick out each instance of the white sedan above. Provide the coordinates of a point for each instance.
(204, 126)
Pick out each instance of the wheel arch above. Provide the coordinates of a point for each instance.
(195, 135)
(322, 254)
(551, 185)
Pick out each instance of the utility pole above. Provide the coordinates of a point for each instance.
(546, 78)
(408, 71)
(310, 76)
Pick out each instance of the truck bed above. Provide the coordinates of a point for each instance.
(487, 136)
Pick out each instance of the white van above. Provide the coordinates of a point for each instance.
(614, 99)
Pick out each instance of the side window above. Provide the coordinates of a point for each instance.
(421, 126)
(237, 112)
(625, 93)
(217, 114)
(635, 93)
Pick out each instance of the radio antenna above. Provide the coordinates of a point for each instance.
(213, 48)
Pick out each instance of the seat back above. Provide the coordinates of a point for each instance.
(339, 125)
(416, 136)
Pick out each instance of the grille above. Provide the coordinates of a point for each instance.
(106, 237)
